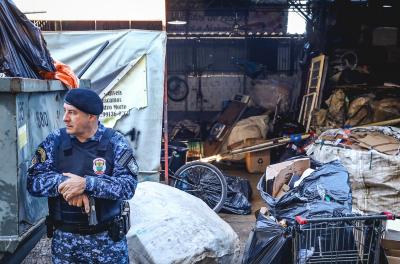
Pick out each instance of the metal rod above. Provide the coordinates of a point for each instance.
(296, 6)
(34, 12)
(267, 144)
(303, 221)
(383, 123)
(273, 143)
(165, 107)
(93, 59)
(165, 119)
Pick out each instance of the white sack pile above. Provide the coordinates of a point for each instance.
(171, 226)
(374, 175)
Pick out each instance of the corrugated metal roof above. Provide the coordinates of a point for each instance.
(230, 34)
(281, 2)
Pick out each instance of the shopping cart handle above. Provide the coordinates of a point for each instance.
(389, 215)
(383, 216)
(300, 220)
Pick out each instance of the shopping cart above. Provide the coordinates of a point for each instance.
(349, 239)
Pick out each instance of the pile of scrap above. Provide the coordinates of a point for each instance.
(312, 190)
(372, 157)
(365, 109)
(284, 176)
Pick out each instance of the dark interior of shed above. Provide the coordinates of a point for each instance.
(220, 51)
(224, 48)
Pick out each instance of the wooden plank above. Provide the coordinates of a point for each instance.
(228, 118)
(317, 77)
(307, 107)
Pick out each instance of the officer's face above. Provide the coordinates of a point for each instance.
(77, 122)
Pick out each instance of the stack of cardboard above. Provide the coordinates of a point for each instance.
(391, 245)
(380, 142)
(281, 174)
(363, 141)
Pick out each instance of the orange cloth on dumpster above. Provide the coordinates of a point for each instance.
(63, 73)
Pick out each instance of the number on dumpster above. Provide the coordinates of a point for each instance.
(42, 119)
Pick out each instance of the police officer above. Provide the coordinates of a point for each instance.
(79, 164)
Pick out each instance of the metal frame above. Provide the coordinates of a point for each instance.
(300, 8)
(303, 118)
(350, 239)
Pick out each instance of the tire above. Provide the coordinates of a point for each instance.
(204, 181)
(177, 89)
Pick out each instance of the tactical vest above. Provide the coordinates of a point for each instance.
(84, 159)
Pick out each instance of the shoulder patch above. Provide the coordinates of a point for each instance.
(41, 154)
(125, 158)
(38, 157)
(133, 167)
(128, 161)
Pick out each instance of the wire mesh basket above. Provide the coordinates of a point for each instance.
(350, 239)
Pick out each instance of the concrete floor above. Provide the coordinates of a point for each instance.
(243, 224)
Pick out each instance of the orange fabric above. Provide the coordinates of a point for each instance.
(63, 73)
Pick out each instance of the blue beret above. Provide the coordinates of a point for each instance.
(85, 100)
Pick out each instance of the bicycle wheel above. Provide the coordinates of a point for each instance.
(204, 181)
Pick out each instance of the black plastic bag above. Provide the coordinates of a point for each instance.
(238, 196)
(268, 243)
(23, 50)
(326, 191)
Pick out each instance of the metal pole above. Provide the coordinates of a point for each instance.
(273, 143)
(165, 117)
(165, 113)
(93, 59)
(266, 145)
(383, 123)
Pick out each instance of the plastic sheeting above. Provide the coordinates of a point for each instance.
(238, 196)
(23, 51)
(171, 226)
(325, 192)
(268, 243)
(272, 92)
(374, 176)
(141, 126)
(254, 127)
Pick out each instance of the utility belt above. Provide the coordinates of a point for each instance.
(81, 229)
(117, 228)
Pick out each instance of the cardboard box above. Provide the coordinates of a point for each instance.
(283, 172)
(392, 250)
(393, 260)
(257, 162)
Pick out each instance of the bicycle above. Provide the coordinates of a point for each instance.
(197, 178)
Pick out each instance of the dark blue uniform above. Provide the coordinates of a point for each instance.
(110, 178)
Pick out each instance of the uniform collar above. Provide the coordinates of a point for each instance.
(99, 133)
